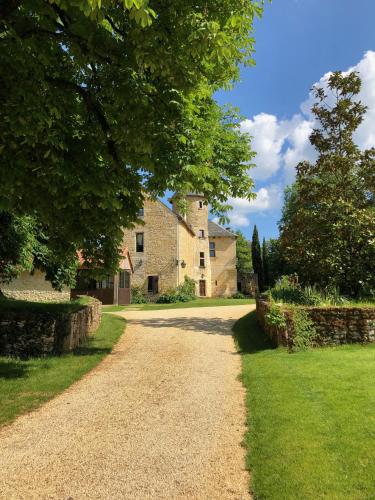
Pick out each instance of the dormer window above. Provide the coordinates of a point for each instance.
(201, 233)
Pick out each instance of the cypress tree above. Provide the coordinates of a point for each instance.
(257, 258)
(266, 273)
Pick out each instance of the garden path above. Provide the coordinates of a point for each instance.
(162, 417)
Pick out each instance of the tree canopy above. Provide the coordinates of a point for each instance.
(328, 221)
(105, 101)
(244, 263)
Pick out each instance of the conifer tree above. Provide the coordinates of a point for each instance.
(257, 258)
(265, 261)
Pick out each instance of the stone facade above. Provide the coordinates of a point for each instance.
(27, 334)
(159, 254)
(224, 273)
(34, 287)
(334, 325)
(178, 245)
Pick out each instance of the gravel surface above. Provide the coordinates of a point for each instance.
(162, 417)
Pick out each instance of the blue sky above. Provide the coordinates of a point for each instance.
(297, 43)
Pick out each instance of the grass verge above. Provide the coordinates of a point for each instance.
(311, 423)
(10, 305)
(25, 385)
(181, 305)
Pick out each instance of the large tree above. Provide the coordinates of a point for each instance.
(105, 101)
(328, 223)
(256, 256)
(244, 262)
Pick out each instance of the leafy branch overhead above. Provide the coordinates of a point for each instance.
(104, 101)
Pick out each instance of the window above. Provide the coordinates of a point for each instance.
(106, 283)
(153, 284)
(200, 204)
(201, 259)
(141, 212)
(201, 233)
(139, 242)
(124, 281)
(212, 249)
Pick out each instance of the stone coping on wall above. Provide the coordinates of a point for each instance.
(27, 334)
(334, 324)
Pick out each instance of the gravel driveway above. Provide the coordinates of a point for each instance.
(162, 417)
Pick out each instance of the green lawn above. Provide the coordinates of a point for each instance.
(179, 305)
(53, 307)
(311, 419)
(25, 385)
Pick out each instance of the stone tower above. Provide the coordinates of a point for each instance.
(196, 216)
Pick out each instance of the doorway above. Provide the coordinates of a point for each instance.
(202, 288)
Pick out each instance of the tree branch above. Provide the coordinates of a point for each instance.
(94, 108)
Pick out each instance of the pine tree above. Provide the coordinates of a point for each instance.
(265, 260)
(257, 258)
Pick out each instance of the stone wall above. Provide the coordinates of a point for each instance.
(34, 287)
(334, 325)
(248, 283)
(27, 334)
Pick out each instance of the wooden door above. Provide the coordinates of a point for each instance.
(124, 288)
(202, 288)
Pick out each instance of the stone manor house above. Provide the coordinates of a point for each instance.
(170, 246)
(157, 255)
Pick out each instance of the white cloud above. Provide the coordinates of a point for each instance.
(282, 144)
(269, 198)
(267, 140)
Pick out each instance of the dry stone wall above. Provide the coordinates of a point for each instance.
(26, 334)
(334, 325)
(34, 287)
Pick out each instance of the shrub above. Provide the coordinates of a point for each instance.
(187, 289)
(167, 298)
(275, 316)
(287, 290)
(304, 331)
(310, 296)
(182, 293)
(238, 295)
(137, 295)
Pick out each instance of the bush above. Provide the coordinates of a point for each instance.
(287, 290)
(138, 296)
(275, 316)
(304, 331)
(238, 295)
(187, 289)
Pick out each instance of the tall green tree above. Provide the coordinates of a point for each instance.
(328, 221)
(277, 264)
(265, 263)
(244, 261)
(256, 257)
(105, 101)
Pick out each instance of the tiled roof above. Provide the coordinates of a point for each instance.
(216, 230)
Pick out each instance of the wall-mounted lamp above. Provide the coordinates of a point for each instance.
(182, 262)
